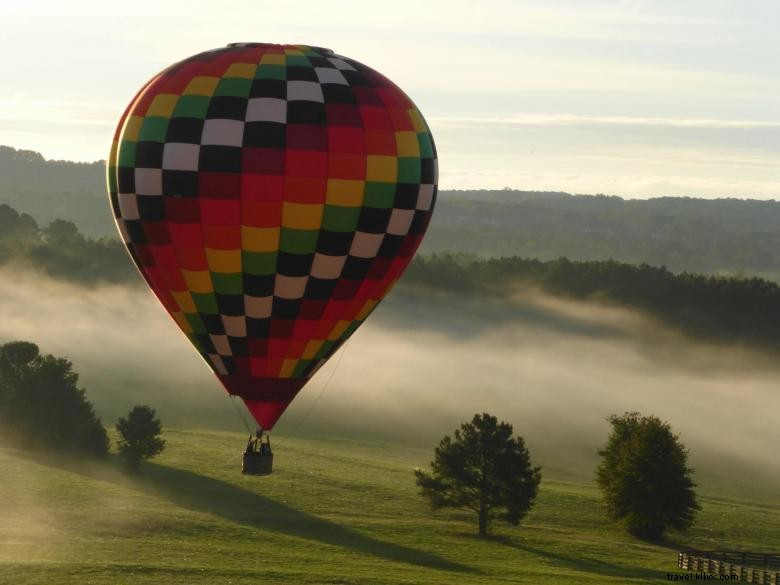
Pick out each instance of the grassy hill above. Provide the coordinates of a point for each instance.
(335, 511)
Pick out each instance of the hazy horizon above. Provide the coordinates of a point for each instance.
(625, 97)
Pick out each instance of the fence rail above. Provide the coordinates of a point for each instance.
(761, 568)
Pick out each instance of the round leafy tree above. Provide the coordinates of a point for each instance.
(484, 469)
(139, 436)
(645, 478)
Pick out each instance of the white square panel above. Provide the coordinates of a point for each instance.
(221, 344)
(366, 245)
(235, 326)
(258, 307)
(290, 287)
(327, 267)
(218, 364)
(309, 91)
(148, 181)
(328, 75)
(266, 110)
(179, 156)
(128, 206)
(223, 132)
(341, 64)
(425, 197)
(400, 220)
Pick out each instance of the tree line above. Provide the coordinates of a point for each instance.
(723, 308)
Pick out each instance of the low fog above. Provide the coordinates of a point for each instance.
(424, 362)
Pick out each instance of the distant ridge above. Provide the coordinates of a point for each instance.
(729, 235)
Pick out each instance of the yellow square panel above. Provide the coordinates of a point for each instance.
(381, 169)
(272, 59)
(254, 239)
(288, 366)
(345, 192)
(312, 348)
(293, 51)
(162, 105)
(198, 281)
(302, 216)
(244, 70)
(224, 261)
(338, 330)
(184, 300)
(201, 85)
(406, 143)
(370, 304)
(132, 128)
(417, 121)
(182, 322)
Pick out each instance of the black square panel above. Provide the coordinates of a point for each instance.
(187, 130)
(151, 208)
(337, 93)
(305, 112)
(374, 220)
(406, 195)
(356, 268)
(239, 346)
(230, 305)
(213, 323)
(230, 107)
(259, 285)
(273, 88)
(319, 288)
(265, 134)
(125, 177)
(258, 327)
(334, 243)
(301, 73)
(149, 155)
(180, 183)
(427, 173)
(289, 264)
(285, 308)
(216, 158)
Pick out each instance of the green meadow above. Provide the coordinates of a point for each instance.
(335, 511)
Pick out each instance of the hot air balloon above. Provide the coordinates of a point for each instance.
(271, 195)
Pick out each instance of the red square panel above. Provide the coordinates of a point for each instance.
(186, 234)
(258, 347)
(262, 161)
(219, 185)
(182, 210)
(307, 137)
(192, 258)
(347, 140)
(222, 237)
(262, 188)
(401, 120)
(156, 232)
(381, 142)
(306, 163)
(220, 211)
(305, 190)
(267, 214)
(375, 118)
(343, 115)
(347, 166)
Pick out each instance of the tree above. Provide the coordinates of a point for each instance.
(42, 405)
(484, 469)
(139, 436)
(645, 478)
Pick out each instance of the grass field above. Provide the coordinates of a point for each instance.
(334, 511)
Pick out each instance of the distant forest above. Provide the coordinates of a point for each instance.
(723, 236)
(731, 309)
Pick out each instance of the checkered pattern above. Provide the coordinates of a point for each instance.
(271, 195)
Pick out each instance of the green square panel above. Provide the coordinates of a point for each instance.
(351, 328)
(408, 169)
(258, 263)
(324, 351)
(380, 195)
(197, 326)
(271, 72)
(112, 180)
(153, 129)
(297, 61)
(126, 157)
(426, 146)
(228, 284)
(300, 368)
(234, 86)
(298, 241)
(206, 303)
(340, 219)
(191, 106)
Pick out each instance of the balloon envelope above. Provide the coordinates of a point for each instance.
(271, 195)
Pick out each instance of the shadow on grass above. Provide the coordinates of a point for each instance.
(201, 493)
(584, 564)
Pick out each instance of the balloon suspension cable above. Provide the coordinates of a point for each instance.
(241, 416)
(325, 387)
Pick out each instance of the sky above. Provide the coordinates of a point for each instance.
(625, 97)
